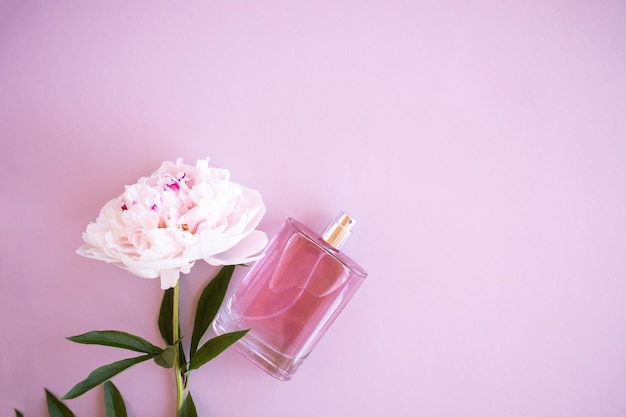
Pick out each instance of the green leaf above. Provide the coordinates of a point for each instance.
(188, 409)
(167, 358)
(116, 339)
(166, 316)
(56, 408)
(113, 401)
(104, 373)
(208, 305)
(18, 413)
(214, 347)
(182, 361)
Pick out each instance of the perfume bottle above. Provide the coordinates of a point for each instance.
(292, 295)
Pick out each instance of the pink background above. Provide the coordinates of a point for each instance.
(481, 146)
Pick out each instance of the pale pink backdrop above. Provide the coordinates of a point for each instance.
(481, 145)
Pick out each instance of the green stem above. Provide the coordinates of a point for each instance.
(177, 365)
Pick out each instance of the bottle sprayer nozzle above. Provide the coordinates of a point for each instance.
(339, 230)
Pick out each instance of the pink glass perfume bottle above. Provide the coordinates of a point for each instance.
(292, 295)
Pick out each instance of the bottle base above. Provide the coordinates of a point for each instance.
(260, 353)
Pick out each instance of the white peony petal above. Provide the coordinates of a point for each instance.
(169, 278)
(242, 252)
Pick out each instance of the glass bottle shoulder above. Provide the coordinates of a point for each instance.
(315, 238)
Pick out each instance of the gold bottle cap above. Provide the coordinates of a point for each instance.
(339, 230)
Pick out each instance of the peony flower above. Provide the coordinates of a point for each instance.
(160, 226)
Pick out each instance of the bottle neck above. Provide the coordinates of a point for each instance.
(339, 230)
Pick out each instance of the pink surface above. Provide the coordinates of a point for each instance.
(480, 145)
